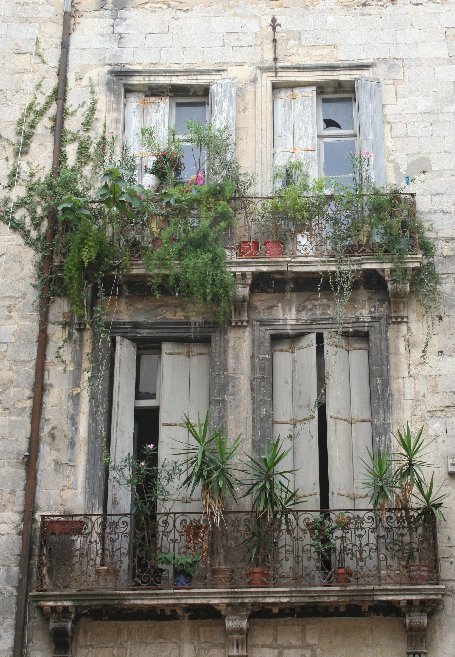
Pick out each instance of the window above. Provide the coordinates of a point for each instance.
(165, 106)
(337, 137)
(324, 129)
(152, 391)
(322, 410)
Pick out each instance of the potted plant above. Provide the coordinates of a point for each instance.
(210, 466)
(148, 483)
(272, 498)
(321, 529)
(343, 573)
(397, 478)
(184, 566)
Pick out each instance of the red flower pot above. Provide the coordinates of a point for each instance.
(248, 249)
(258, 577)
(273, 248)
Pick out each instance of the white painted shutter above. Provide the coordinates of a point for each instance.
(222, 106)
(294, 412)
(122, 426)
(370, 125)
(348, 420)
(156, 116)
(295, 127)
(184, 391)
(134, 122)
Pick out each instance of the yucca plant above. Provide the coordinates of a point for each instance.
(272, 497)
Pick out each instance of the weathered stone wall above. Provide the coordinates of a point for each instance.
(411, 43)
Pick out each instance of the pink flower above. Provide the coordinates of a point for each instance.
(151, 446)
(200, 178)
(142, 463)
(366, 154)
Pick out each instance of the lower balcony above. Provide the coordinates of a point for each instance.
(306, 559)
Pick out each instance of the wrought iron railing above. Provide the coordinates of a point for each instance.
(319, 226)
(302, 549)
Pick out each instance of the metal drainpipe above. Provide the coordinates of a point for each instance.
(43, 314)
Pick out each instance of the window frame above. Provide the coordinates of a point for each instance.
(328, 134)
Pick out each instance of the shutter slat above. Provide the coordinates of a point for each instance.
(134, 121)
(222, 106)
(282, 406)
(122, 425)
(156, 116)
(306, 449)
(370, 125)
(295, 127)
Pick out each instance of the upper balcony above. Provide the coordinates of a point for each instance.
(309, 560)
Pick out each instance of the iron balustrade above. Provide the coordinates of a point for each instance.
(301, 549)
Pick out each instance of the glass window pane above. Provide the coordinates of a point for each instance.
(186, 111)
(337, 114)
(149, 365)
(337, 159)
(193, 161)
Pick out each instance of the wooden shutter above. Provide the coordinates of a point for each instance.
(122, 426)
(370, 125)
(295, 127)
(348, 420)
(156, 116)
(222, 106)
(134, 122)
(184, 391)
(294, 411)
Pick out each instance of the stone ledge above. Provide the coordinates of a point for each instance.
(333, 596)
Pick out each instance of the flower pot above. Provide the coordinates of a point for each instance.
(343, 576)
(182, 579)
(64, 526)
(222, 577)
(419, 573)
(273, 248)
(258, 577)
(106, 577)
(248, 249)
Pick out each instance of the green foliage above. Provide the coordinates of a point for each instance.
(147, 481)
(272, 497)
(321, 529)
(209, 464)
(186, 563)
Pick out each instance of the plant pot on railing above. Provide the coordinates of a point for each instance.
(273, 248)
(182, 579)
(343, 576)
(63, 527)
(222, 577)
(257, 577)
(248, 249)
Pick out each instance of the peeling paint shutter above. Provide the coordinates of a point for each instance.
(156, 116)
(294, 415)
(370, 124)
(222, 106)
(122, 426)
(295, 127)
(184, 391)
(134, 122)
(348, 420)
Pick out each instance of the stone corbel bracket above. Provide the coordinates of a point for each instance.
(61, 628)
(416, 623)
(399, 295)
(236, 617)
(241, 298)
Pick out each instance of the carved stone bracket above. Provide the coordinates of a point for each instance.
(241, 298)
(416, 629)
(61, 627)
(236, 619)
(399, 295)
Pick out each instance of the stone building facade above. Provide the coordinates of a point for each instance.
(155, 48)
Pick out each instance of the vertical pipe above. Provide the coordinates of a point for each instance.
(43, 314)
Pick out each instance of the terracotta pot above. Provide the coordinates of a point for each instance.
(419, 573)
(343, 576)
(273, 248)
(248, 249)
(222, 577)
(258, 577)
(64, 526)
